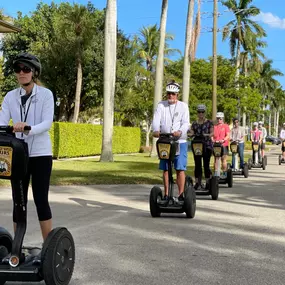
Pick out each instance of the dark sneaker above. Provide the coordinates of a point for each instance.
(181, 198)
(166, 197)
(196, 186)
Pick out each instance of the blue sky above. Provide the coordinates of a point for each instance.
(134, 14)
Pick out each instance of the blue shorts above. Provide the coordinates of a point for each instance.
(180, 161)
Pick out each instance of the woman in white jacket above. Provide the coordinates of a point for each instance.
(33, 105)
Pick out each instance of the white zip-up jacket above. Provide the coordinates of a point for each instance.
(169, 118)
(40, 107)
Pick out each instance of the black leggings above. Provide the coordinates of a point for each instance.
(40, 169)
(206, 162)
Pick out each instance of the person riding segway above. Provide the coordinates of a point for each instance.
(237, 148)
(221, 150)
(281, 158)
(170, 125)
(256, 139)
(26, 150)
(262, 146)
(201, 133)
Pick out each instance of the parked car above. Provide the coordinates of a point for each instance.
(273, 140)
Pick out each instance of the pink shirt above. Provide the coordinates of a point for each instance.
(256, 134)
(220, 132)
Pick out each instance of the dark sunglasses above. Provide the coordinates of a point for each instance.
(25, 69)
(201, 112)
(171, 93)
(219, 118)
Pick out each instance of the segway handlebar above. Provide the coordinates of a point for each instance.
(9, 129)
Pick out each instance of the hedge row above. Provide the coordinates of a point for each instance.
(75, 140)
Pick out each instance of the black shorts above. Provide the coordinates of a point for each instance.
(225, 150)
(262, 147)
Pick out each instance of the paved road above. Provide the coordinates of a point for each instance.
(238, 239)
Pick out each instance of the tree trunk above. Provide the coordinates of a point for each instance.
(187, 53)
(237, 76)
(277, 122)
(274, 123)
(269, 124)
(159, 65)
(77, 92)
(148, 130)
(110, 58)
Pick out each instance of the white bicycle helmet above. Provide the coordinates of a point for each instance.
(255, 124)
(173, 87)
(220, 115)
(201, 107)
(260, 123)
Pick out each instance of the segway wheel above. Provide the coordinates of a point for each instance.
(214, 184)
(265, 160)
(263, 164)
(249, 163)
(230, 178)
(245, 170)
(58, 256)
(5, 243)
(280, 160)
(190, 202)
(154, 208)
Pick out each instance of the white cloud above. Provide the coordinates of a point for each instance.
(271, 20)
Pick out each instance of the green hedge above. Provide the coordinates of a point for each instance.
(75, 140)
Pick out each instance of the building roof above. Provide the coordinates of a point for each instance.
(6, 27)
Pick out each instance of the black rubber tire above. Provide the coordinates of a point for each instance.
(58, 258)
(279, 159)
(2, 282)
(154, 208)
(230, 178)
(6, 240)
(263, 164)
(188, 181)
(214, 186)
(265, 159)
(245, 170)
(249, 163)
(190, 202)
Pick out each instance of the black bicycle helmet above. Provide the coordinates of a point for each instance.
(30, 61)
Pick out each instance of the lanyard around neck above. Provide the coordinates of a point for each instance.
(172, 116)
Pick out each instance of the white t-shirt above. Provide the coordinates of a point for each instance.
(169, 118)
(282, 134)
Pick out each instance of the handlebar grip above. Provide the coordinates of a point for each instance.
(27, 128)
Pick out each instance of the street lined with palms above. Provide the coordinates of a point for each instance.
(238, 239)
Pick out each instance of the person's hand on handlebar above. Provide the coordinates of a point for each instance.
(19, 127)
(156, 134)
(177, 133)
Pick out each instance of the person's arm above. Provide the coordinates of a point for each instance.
(47, 116)
(5, 114)
(227, 133)
(156, 121)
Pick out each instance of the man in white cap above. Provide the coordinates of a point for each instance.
(264, 135)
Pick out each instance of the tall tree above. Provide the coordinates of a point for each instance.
(241, 29)
(110, 58)
(160, 65)
(187, 53)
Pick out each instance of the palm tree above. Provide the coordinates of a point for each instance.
(146, 46)
(110, 58)
(242, 29)
(77, 29)
(196, 31)
(187, 53)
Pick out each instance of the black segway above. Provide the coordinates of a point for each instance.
(280, 157)
(218, 153)
(236, 170)
(54, 262)
(166, 148)
(254, 162)
(198, 146)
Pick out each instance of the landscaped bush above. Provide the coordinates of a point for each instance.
(74, 140)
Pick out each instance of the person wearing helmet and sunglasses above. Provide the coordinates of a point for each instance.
(282, 137)
(203, 127)
(33, 105)
(237, 134)
(172, 116)
(264, 135)
(222, 135)
(256, 136)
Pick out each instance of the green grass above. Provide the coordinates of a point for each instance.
(126, 169)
